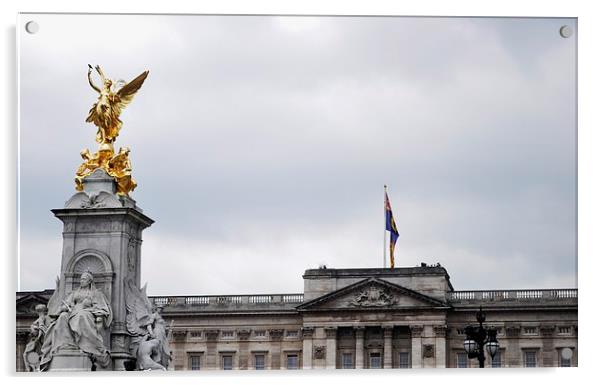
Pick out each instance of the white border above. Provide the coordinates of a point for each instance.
(590, 191)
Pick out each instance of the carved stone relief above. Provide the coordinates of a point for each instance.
(428, 351)
(373, 296)
(131, 257)
(89, 263)
(319, 352)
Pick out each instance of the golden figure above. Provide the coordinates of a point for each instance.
(90, 164)
(105, 115)
(120, 168)
(105, 112)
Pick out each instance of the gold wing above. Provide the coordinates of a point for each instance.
(127, 92)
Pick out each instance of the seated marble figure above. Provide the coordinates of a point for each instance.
(79, 321)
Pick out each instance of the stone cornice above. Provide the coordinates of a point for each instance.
(331, 332)
(416, 330)
(211, 334)
(276, 334)
(308, 332)
(243, 334)
(440, 330)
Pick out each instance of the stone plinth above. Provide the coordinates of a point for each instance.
(102, 233)
(70, 361)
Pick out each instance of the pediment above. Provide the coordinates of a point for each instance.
(26, 304)
(371, 293)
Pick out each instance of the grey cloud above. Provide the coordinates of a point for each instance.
(255, 130)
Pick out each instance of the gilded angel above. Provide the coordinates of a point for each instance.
(120, 168)
(112, 99)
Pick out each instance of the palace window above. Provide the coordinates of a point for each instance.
(227, 362)
(404, 360)
(462, 360)
(347, 361)
(564, 330)
(565, 362)
(292, 361)
(530, 357)
(375, 361)
(194, 361)
(196, 334)
(259, 333)
(259, 362)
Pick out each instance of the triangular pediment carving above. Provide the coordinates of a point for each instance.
(26, 304)
(371, 293)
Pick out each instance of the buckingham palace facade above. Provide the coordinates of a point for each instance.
(358, 318)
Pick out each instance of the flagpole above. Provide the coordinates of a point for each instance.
(385, 236)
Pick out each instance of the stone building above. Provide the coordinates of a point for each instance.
(358, 318)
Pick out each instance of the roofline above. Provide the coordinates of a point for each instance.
(378, 272)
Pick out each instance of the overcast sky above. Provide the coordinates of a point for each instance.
(261, 145)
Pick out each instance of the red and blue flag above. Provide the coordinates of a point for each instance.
(392, 228)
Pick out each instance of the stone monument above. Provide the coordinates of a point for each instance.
(95, 320)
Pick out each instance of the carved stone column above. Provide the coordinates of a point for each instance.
(331, 347)
(549, 356)
(211, 357)
(179, 339)
(440, 349)
(416, 331)
(276, 347)
(243, 348)
(388, 347)
(22, 337)
(512, 354)
(308, 346)
(359, 347)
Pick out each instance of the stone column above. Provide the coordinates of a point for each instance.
(440, 349)
(388, 347)
(513, 354)
(211, 354)
(416, 331)
(359, 347)
(243, 350)
(276, 347)
(22, 337)
(549, 356)
(179, 358)
(331, 347)
(308, 346)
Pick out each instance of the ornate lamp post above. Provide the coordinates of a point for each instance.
(478, 339)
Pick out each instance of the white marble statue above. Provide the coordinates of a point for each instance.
(80, 318)
(149, 341)
(33, 349)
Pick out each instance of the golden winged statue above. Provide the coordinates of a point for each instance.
(111, 101)
(113, 97)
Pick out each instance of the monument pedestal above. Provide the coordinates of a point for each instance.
(70, 361)
(102, 234)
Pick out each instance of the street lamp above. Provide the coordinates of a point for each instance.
(478, 339)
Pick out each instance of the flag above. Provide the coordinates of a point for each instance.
(392, 228)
